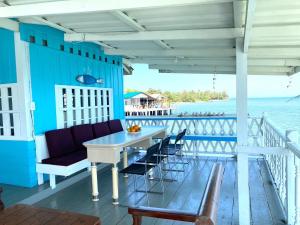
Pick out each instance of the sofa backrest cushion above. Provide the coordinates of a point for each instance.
(82, 133)
(101, 129)
(60, 142)
(115, 126)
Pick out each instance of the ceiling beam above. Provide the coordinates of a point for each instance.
(239, 9)
(64, 29)
(205, 52)
(196, 71)
(215, 62)
(88, 6)
(220, 72)
(193, 68)
(9, 24)
(128, 20)
(184, 61)
(135, 25)
(273, 62)
(222, 33)
(258, 69)
(50, 24)
(283, 32)
(287, 53)
(254, 53)
(249, 23)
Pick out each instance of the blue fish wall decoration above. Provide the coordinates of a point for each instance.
(88, 79)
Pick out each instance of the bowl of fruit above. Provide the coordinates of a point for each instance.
(135, 129)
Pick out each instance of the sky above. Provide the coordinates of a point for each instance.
(258, 86)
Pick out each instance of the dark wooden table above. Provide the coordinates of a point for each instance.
(29, 215)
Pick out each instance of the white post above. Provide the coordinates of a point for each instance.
(95, 193)
(293, 181)
(242, 134)
(115, 184)
(52, 181)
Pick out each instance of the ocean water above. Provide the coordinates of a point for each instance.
(284, 113)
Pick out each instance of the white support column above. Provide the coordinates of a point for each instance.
(294, 184)
(291, 179)
(24, 86)
(242, 134)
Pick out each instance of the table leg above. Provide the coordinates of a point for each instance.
(115, 181)
(125, 160)
(95, 194)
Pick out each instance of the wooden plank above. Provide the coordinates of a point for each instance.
(235, 209)
(227, 194)
(260, 209)
(276, 211)
(178, 195)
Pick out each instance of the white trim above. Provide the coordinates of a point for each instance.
(9, 24)
(221, 33)
(249, 22)
(67, 7)
(242, 134)
(24, 81)
(55, 170)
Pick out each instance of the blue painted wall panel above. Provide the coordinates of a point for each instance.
(49, 66)
(17, 163)
(7, 57)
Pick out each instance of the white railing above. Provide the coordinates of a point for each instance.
(217, 135)
(214, 134)
(284, 168)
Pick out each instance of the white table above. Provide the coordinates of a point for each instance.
(107, 149)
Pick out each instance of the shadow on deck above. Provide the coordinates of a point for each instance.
(185, 194)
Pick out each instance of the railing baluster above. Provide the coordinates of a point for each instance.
(297, 217)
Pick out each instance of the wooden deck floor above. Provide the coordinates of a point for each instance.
(185, 194)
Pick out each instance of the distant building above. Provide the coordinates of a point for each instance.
(143, 104)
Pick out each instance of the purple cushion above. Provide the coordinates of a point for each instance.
(66, 160)
(115, 126)
(82, 133)
(60, 142)
(101, 129)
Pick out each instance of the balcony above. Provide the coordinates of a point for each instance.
(273, 176)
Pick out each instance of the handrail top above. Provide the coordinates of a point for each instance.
(294, 147)
(180, 118)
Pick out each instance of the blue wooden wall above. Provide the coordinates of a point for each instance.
(7, 57)
(17, 158)
(49, 66)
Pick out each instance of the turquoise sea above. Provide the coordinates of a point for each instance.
(283, 111)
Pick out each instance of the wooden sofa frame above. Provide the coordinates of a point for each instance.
(207, 212)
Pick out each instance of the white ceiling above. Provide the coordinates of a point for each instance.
(196, 36)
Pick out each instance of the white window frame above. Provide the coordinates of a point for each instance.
(6, 113)
(85, 111)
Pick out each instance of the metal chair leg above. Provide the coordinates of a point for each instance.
(146, 188)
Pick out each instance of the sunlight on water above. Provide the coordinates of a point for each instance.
(286, 114)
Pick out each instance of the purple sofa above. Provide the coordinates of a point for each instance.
(101, 129)
(65, 145)
(67, 154)
(115, 126)
(62, 148)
